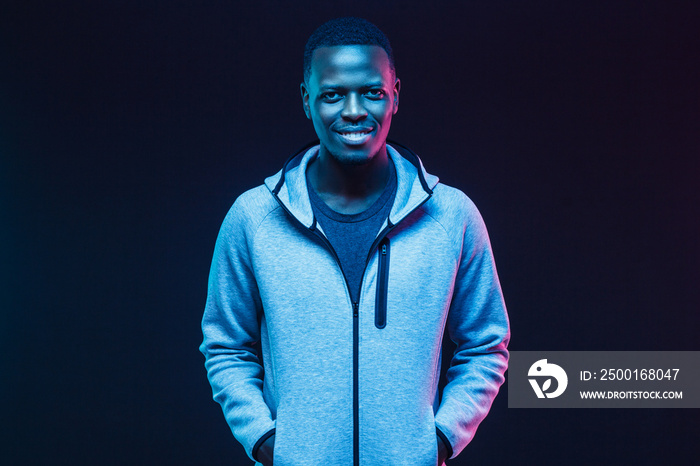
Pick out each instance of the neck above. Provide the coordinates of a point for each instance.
(349, 188)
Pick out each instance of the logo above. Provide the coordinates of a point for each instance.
(542, 369)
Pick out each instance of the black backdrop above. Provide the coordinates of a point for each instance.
(128, 129)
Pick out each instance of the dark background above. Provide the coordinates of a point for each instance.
(128, 128)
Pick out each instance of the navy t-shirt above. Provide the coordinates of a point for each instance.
(352, 235)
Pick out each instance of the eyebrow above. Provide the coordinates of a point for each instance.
(335, 87)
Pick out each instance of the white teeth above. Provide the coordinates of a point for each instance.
(354, 136)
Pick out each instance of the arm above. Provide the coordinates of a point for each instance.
(442, 451)
(231, 329)
(478, 324)
(266, 452)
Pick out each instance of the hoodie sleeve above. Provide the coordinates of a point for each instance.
(231, 329)
(478, 324)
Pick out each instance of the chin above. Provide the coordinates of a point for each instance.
(354, 155)
(352, 158)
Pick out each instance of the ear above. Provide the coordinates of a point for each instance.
(305, 99)
(397, 88)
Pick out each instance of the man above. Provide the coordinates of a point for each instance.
(346, 267)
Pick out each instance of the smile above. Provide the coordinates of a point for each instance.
(355, 137)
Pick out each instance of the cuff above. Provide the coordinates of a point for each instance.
(262, 439)
(447, 442)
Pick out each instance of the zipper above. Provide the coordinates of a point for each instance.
(355, 384)
(380, 303)
(355, 348)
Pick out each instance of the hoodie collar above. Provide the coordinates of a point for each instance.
(414, 184)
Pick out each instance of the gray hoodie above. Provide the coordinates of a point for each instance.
(354, 383)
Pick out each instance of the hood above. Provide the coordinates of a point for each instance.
(414, 184)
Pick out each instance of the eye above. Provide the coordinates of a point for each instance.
(375, 94)
(330, 97)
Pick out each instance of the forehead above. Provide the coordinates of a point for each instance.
(350, 62)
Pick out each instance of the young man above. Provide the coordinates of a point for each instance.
(347, 266)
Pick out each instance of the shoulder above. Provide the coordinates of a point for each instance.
(248, 211)
(453, 208)
(460, 218)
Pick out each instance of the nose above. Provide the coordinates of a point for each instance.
(353, 109)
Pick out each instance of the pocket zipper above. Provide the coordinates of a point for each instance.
(382, 284)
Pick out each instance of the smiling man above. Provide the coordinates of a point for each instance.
(345, 269)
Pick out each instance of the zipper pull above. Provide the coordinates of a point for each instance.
(355, 308)
(384, 249)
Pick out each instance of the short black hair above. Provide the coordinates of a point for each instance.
(346, 31)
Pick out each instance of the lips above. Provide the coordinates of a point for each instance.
(354, 135)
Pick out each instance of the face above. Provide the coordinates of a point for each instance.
(350, 97)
